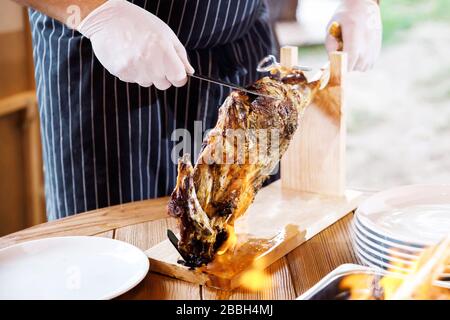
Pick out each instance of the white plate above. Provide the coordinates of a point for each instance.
(386, 267)
(386, 241)
(70, 268)
(383, 255)
(410, 253)
(416, 215)
(377, 261)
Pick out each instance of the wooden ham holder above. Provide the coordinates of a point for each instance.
(309, 198)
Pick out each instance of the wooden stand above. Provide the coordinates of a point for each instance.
(315, 159)
(310, 197)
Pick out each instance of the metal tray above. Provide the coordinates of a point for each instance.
(328, 287)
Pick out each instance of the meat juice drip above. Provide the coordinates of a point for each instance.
(248, 255)
(234, 261)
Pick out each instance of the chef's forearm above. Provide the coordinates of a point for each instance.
(70, 12)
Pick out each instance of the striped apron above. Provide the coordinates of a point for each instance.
(108, 142)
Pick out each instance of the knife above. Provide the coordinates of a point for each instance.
(230, 85)
(174, 241)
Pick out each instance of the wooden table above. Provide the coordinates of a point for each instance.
(144, 224)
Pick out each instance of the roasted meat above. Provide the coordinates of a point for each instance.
(251, 135)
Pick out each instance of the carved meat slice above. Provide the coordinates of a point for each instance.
(251, 135)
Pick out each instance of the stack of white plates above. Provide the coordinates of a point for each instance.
(392, 228)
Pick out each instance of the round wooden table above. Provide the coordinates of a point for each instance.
(144, 224)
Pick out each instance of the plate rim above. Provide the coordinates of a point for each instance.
(379, 264)
(363, 217)
(381, 256)
(110, 296)
(358, 236)
(387, 241)
(370, 263)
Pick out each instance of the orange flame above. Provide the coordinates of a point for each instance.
(416, 282)
(358, 285)
(230, 243)
(242, 260)
(256, 279)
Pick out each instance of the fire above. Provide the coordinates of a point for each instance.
(390, 285)
(256, 279)
(415, 283)
(357, 285)
(231, 241)
(243, 260)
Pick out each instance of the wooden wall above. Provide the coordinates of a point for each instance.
(21, 188)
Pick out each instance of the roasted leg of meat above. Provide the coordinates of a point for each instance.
(210, 196)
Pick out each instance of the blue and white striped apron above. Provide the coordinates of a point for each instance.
(107, 142)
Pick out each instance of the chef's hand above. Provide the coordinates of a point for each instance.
(135, 45)
(361, 26)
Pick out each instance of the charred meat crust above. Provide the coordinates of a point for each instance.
(209, 197)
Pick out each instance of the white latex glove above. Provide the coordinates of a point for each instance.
(135, 45)
(361, 26)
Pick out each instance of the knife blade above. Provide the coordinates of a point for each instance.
(174, 240)
(230, 85)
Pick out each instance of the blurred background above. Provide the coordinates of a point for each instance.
(398, 114)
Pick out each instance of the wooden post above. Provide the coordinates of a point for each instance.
(289, 56)
(315, 160)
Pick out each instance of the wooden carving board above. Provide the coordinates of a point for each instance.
(310, 197)
(277, 222)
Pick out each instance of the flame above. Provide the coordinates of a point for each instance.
(244, 261)
(415, 282)
(357, 285)
(256, 278)
(230, 243)
(244, 258)
(390, 285)
(418, 284)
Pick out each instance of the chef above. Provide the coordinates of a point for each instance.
(112, 79)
